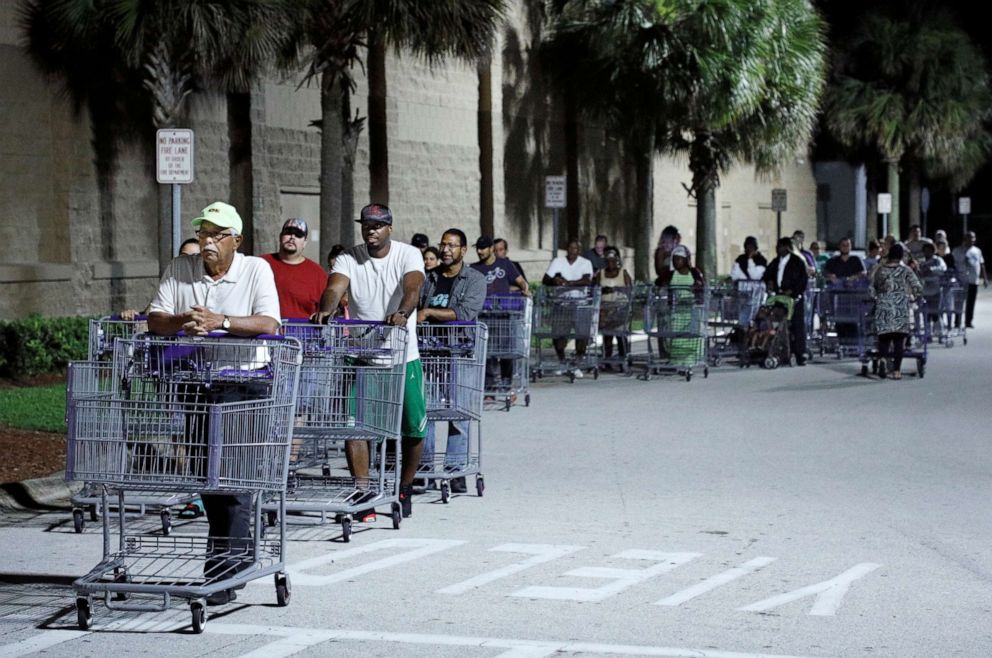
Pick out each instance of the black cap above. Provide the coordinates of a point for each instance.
(419, 240)
(484, 242)
(376, 212)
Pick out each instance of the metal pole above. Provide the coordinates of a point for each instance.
(778, 225)
(554, 233)
(177, 211)
(885, 225)
(965, 218)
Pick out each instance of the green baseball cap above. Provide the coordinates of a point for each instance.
(219, 214)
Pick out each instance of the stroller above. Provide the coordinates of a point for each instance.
(767, 340)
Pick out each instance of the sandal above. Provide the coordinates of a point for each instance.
(896, 374)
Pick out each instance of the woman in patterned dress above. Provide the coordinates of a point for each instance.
(895, 286)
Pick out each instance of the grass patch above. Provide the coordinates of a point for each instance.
(34, 408)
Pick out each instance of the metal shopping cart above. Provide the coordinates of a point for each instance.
(732, 310)
(952, 306)
(677, 317)
(454, 359)
(917, 342)
(563, 313)
(843, 327)
(351, 389)
(508, 318)
(615, 308)
(94, 378)
(189, 414)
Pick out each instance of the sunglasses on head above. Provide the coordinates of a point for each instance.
(294, 232)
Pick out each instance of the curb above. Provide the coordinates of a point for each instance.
(45, 493)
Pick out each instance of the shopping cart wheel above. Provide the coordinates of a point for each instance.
(283, 589)
(445, 491)
(199, 612)
(864, 369)
(595, 373)
(771, 362)
(480, 485)
(166, 522)
(325, 470)
(397, 516)
(921, 367)
(121, 577)
(94, 517)
(509, 403)
(527, 400)
(84, 614)
(571, 376)
(78, 523)
(346, 529)
(948, 343)
(688, 375)
(271, 518)
(964, 340)
(706, 372)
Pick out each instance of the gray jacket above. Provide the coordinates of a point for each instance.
(468, 292)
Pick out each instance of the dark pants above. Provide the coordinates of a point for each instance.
(797, 330)
(897, 343)
(969, 307)
(229, 515)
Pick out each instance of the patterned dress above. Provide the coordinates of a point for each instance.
(894, 286)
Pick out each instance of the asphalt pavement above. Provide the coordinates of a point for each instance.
(796, 512)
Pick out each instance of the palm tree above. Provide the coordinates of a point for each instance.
(334, 34)
(916, 90)
(720, 80)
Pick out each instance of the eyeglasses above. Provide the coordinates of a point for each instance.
(215, 236)
(295, 232)
(449, 245)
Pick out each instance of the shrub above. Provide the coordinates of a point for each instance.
(35, 345)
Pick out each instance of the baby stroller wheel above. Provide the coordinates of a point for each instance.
(771, 362)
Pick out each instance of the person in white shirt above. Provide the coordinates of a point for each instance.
(383, 279)
(219, 289)
(970, 265)
(930, 263)
(571, 270)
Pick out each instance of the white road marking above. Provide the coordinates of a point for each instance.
(39, 642)
(542, 553)
(622, 578)
(713, 582)
(413, 549)
(829, 593)
(514, 647)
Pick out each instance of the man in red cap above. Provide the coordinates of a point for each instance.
(299, 280)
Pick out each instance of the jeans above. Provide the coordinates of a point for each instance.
(456, 452)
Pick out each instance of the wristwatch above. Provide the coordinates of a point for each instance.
(226, 324)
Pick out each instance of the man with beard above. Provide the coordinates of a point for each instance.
(299, 280)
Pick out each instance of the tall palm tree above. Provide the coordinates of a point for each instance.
(330, 36)
(916, 90)
(720, 80)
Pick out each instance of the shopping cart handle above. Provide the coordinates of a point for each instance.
(375, 323)
(297, 321)
(224, 334)
(140, 317)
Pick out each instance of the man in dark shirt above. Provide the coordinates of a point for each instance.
(596, 255)
(500, 273)
(786, 275)
(844, 268)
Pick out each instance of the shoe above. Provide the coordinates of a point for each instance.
(881, 369)
(896, 375)
(458, 486)
(406, 500)
(222, 597)
(969, 326)
(577, 374)
(800, 362)
(560, 370)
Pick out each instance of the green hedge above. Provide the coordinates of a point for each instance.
(35, 345)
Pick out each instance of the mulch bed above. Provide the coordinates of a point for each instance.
(27, 454)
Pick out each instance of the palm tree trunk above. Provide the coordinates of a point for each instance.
(892, 168)
(330, 160)
(572, 209)
(644, 231)
(914, 193)
(239, 161)
(485, 126)
(378, 139)
(349, 140)
(704, 181)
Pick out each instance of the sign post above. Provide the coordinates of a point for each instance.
(174, 166)
(964, 209)
(884, 208)
(779, 198)
(554, 198)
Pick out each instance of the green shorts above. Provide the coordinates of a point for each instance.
(414, 424)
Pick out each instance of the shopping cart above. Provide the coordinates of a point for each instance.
(917, 343)
(952, 307)
(508, 318)
(93, 378)
(677, 317)
(933, 294)
(615, 307)
(211, 414)
(351, 389)
(732, 310)
(454, 358)
(842, 316)
(563, 313)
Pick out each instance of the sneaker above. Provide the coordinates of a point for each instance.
(459, 486)
(881, 369)
(222, 597)
(577, 374)
(406, 500)
(560, 370)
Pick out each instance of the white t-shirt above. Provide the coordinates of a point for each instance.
(247, 288)
(571, 271)
(375, 287)
(968, 263)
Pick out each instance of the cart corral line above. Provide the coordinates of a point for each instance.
(39, 642)
(306, 637)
